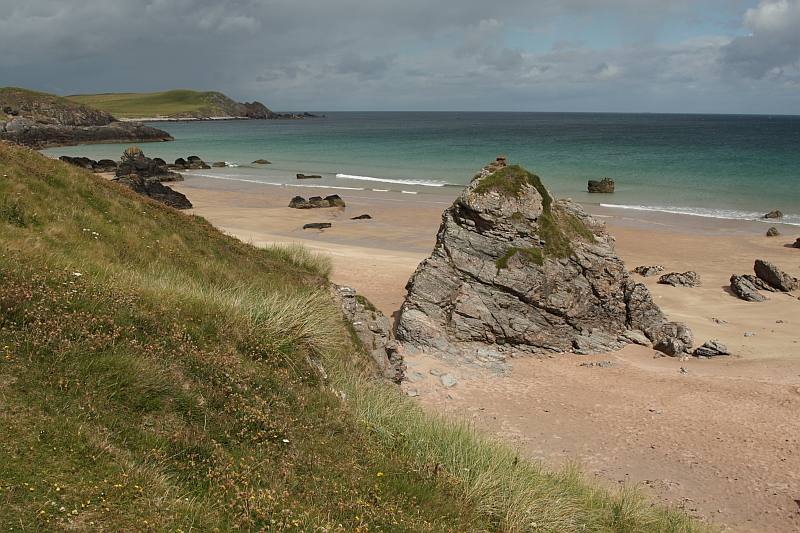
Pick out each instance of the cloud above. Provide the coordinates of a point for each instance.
(774, 42)
(602, 55)
(352, 63)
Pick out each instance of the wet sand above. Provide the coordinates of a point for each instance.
(719, 438)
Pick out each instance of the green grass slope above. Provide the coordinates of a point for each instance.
(158, 375)
(176, 103)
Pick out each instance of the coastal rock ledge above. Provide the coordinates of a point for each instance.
(515, 269)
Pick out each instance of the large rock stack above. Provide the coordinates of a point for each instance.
(516, 269)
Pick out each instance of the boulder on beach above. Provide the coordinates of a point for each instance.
(308, 176)
(773, 232)
(261, 162)
(648, 271)
(317, 225)
(361, 217)
(775, 277)
(774, 214)
(218, 164)
(155, 190)
(796, 243)
(605, 185)
(104, 165)
(712, 348)
(515, 270)
(746, 289)
(298, 202)
(671, 338)
(687, 279)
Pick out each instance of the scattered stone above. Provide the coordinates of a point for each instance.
(603, 186)
(750, 334)
(648, 271)
(218, 164)
(775, 277)
(710, 349)
(687, 279)
(494, 279)
(317, 225)
(448, 381)
(334, 200)
(261, 162)
(373, 330)
(719, 320)
(744, 289)
(435, 372)
(796, 243)
(781, 321)
(774, 214)
(656, 411)
(413, 393)
(773, 232)
(308, 176)
(601, 364)
(361, 217)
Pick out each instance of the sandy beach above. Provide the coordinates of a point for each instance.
(719, 438)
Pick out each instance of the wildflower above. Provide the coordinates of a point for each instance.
(77, 274)
(380, 474)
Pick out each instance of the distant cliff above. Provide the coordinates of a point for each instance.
(180, 104)
(41, 120)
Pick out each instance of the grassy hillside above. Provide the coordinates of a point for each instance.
(177, 103)
(158, 375)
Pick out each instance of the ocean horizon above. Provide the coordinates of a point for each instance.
(716, 166)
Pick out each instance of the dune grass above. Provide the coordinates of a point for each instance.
(175, 103)
(158, 375)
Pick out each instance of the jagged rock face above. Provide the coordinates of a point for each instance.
(135, 162)
(155, 190)
(513, 266)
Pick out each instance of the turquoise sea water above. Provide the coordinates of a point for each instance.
(721, 166)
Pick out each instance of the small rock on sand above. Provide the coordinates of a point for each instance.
(773, 232)
(448, 381)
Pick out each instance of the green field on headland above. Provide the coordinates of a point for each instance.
(159, 375)
(176, 103)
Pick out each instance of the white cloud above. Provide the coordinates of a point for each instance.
(774, 44)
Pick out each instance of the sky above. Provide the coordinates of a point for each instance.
(660, 56)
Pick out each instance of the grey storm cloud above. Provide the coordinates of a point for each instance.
(456, 54)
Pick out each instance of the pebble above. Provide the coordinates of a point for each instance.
(413, 392)
(720, 320)
(781, 321)
(416, 376)
(435, 372)
(750, 334)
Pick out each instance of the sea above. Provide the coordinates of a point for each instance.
(714, 166)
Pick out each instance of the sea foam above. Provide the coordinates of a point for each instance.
(727, 214)
(425, 183)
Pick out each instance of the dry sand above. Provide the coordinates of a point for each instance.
(720, 438)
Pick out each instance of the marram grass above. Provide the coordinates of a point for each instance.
(156, 375)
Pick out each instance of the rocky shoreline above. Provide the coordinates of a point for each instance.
(41, 120)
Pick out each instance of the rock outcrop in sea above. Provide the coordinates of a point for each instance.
(41, 120)
(606, 185)
(518, 271)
